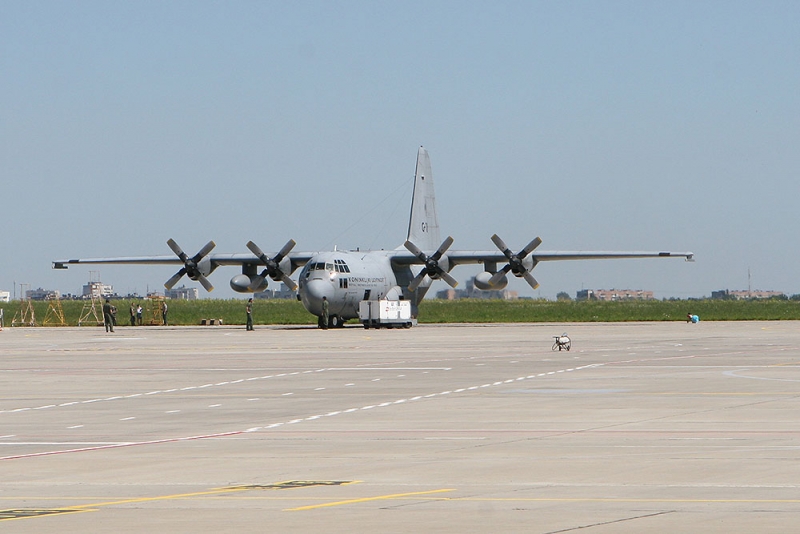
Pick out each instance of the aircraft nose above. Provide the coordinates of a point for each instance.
(316, 289)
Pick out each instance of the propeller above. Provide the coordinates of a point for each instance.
(515, 264)
(431, 268)
(273, 269)
(190, 265)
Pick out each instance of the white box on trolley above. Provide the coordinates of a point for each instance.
(377, 313)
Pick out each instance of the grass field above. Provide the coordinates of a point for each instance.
(183, 312)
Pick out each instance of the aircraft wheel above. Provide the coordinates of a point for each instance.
(334, 321)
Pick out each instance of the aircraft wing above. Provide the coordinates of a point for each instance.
(465, 257)
(298, 260)
(439, 264)
(476, 256)
(197, 267)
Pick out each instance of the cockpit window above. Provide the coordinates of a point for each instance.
(341, 266)
(338, 266)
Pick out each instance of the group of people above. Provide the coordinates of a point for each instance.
(110, 314)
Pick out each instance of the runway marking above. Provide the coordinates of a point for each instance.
(367, 499)
(735, 374)
(159, 392)
(227, 383)
(273, 425)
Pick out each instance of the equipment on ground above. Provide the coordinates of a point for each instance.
(388, 313)
(562, 342)
(55, 313)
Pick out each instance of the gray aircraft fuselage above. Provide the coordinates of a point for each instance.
(346, 278)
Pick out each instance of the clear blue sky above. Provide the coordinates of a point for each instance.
(595, 125)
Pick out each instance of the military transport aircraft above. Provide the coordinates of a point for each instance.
(347, 277)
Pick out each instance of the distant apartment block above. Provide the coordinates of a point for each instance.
(744, 294)
(42, 294)
(614, 294)
(97, 290)
(182, 293)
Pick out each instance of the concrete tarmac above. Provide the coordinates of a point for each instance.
(641, 427)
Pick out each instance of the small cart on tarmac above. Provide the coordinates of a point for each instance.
(385, 313)
(562, 342)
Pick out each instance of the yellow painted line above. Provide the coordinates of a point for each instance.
(158, 498)
(93, 506)
(289, 484)
(367, 499)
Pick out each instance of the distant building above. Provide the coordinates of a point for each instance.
(182, 293)
(283, 293)
(614, 294)
(471, 292)
(97, 290)
(5, 296)
(42, 294)
(726, 294)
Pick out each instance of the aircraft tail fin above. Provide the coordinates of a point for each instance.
(423, 226)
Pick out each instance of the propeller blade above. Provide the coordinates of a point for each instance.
(175, 277)
(285, 250)
(177, 250)
(257, 251)
(442, 248)
(272, 264)
(414, 284)
(258, 280)
(205, 283)
(204, 251)
(529, 248)
(452, 282)
(289, 282)
(499, 275)
(502, 246)
(531, 280)
(415, 250)
(190, 264)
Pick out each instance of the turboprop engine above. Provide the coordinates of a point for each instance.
(483, 281)
(252, 283)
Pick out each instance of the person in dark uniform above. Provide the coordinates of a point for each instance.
(324, 313)
(249, 309)
(108, 319)
(164, 312)
(133, 314)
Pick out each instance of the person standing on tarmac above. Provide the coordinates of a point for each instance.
(324, 313)
(249, 309)
(108, 319)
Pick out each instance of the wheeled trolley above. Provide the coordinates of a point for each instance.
(562, 342)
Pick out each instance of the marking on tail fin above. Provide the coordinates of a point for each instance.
(423, 226)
